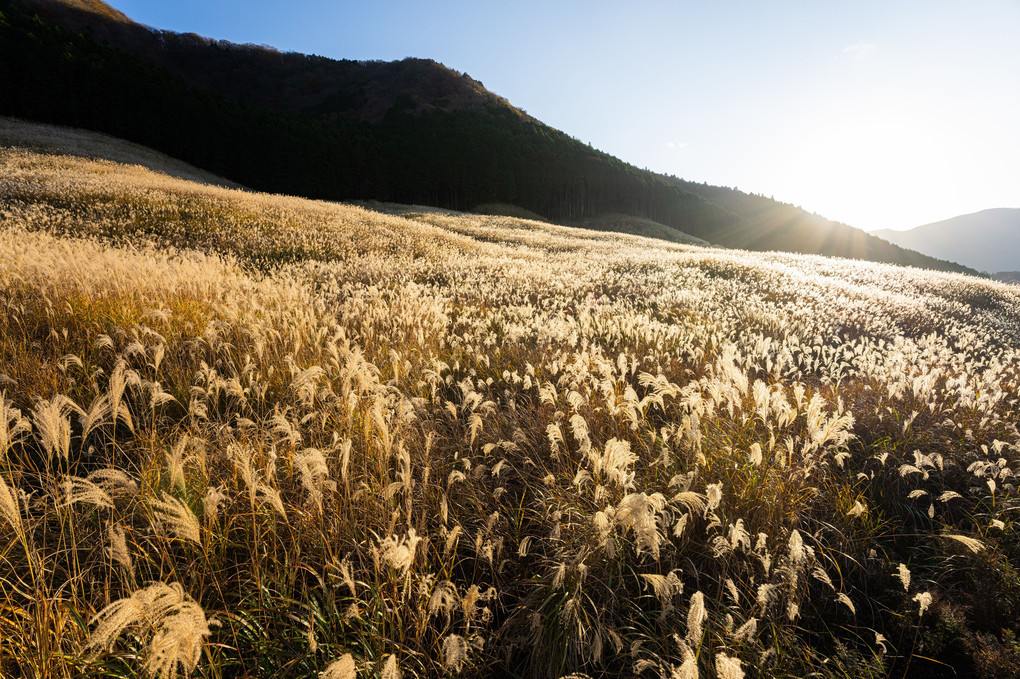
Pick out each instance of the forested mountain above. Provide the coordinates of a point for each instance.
(988, 240)
(411, 131)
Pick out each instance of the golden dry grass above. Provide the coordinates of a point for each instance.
(252, 435)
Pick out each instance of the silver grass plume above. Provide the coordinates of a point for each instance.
(924, 601)
(696, 616)
(214, 497)
(689, 665)
(176, 457)
(748, 631)
(727, 667)
(177, 516)
(12, 425)
(176, 621)
(75, 490)
(444, 599)
(398, 552)
(665, 587)
(391, 670)
(639, 512)
(903, 573)
(52, 426)
(312, 469)
(970, 543)
(10, 508)
(118, 547)
(115, 482)
(455, 650)
(342, 668)
(98, 411)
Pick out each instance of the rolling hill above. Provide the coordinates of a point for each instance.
(413, 131)
(987, 241)
(256, 435)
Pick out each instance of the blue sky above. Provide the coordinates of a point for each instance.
(879, 114)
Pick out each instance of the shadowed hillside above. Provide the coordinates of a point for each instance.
(410, 132)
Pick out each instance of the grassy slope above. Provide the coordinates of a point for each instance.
(423, 441)
(640, 227)
(47, 139)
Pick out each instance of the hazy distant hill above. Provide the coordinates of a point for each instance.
(1007, 276)
(988, 240)
(412, 132)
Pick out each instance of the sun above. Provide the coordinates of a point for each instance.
(869, 166)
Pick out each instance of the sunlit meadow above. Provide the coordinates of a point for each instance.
(252, 435)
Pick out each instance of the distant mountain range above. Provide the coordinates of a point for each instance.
(411, 131)
(987, 241)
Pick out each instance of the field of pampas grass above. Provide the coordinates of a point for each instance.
(245, 435)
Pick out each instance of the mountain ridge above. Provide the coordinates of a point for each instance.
(291, 81)
(987, 240)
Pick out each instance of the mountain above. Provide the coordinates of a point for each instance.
(411, 131)
(988, 240)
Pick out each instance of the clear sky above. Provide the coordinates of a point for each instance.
(875, 113)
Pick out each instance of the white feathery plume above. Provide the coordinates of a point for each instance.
(214, 498)
(455, 650)
(924, 601)
(390, 669)
(974, 545)
(696, 616)
(12, 425)
(639, 512)
(115, 482)
(118, 547)
(52, 426)
(727, 667)
(178, 516)
(176, 621)
(444, 599)
(342, 668)
(748, 631)
(75, 490)
(10, 507)
(903, 573)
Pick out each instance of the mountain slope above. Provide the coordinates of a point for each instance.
(988, 240)
(410, 132)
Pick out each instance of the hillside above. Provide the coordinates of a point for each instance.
(987, 241)
(48, 139)
(410, 132)
(246, 434)
(639, 227)
(1007, 276)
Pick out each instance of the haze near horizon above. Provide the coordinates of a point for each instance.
(879, 115)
